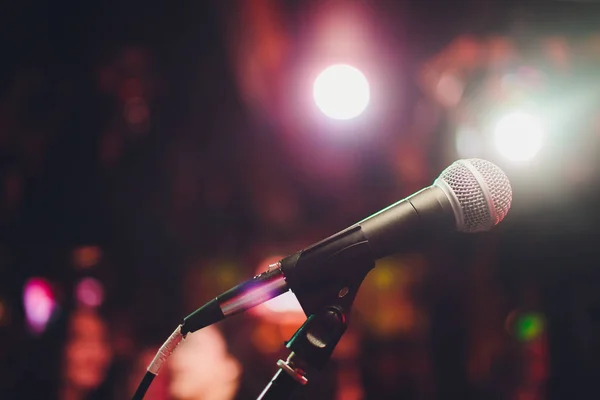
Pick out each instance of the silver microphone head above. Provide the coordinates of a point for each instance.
(479, 192)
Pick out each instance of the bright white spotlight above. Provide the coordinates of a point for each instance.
(341, 92)
(518, 136)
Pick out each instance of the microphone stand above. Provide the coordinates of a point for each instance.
(327, 309)
(311, 346)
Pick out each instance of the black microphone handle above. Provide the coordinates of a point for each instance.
(407, 224)
(401, 227)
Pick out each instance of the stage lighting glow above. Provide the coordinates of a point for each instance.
(529, 327)
(281, 309)
(525, 326)
(89, 292)
(286, 302)
(518, 136)
(341, 92)
(86, 257)
(3, 313)
(39, 304)
(468, 143)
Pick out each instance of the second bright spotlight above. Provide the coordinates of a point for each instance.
(518, 136)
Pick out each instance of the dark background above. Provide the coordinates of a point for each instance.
(124, 125)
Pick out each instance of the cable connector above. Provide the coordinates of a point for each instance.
(165, 351)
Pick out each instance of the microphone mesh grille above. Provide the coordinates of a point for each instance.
(498, 185)
(475, 197)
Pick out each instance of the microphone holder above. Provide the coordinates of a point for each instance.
(311, 346)
(327, 308)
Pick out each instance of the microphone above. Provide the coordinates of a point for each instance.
(471, 195)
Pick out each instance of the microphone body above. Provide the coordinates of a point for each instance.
(469, 196)
(403, 226)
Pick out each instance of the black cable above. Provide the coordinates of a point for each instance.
(143, 386)
(159, 359)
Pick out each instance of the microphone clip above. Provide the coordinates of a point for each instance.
(346, 260)
(311, 348)
(329, 273)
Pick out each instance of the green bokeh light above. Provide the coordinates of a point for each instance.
(529, 326)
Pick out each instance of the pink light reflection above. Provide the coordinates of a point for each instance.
(89, 292)
(39, 303)
(282, 309)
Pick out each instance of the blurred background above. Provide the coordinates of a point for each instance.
(154, 154)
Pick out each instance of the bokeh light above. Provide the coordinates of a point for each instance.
(4, 318)
(341, 92)
(518, 136)
(525, 326)
(529, 327)
(449, 89)
(85, 257)
(468, 142)
(39, 303)
(89, 292)
(284, 308)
